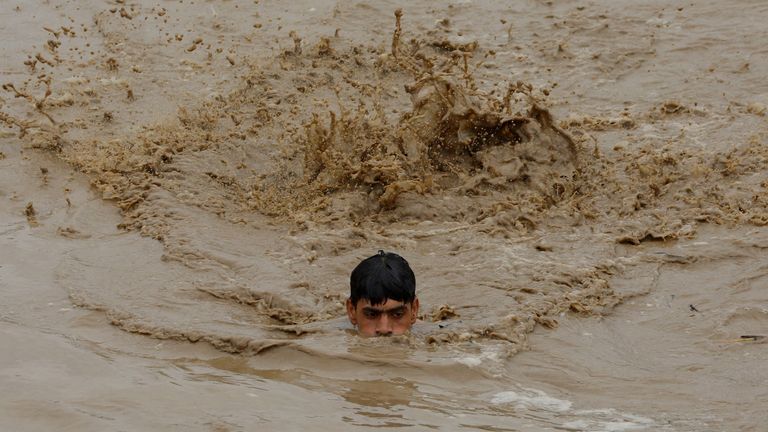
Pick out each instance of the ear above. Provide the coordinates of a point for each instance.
(414, 310)
(351, 312)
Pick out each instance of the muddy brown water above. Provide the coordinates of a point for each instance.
(580, 188)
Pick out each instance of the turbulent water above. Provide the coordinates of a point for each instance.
(579, 186)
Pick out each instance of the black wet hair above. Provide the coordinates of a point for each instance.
(383, 276)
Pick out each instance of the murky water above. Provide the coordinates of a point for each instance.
(580, 188)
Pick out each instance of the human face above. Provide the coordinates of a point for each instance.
(390, 318)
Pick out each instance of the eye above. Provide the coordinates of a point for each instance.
(398, 314)
(370, 314)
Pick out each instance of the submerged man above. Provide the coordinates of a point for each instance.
(382, 300)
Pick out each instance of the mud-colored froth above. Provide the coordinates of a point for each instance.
(548, 167)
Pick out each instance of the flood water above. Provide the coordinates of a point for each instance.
(579, 186)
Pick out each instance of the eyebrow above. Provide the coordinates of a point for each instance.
(378, 310)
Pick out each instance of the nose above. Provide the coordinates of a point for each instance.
(383, 326)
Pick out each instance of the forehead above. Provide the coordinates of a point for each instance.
(389, 304)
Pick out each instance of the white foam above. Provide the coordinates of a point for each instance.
(488, 354)
(594, 420)
(469, 361)
(532, 399)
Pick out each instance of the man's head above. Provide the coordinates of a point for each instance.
(382, 301)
